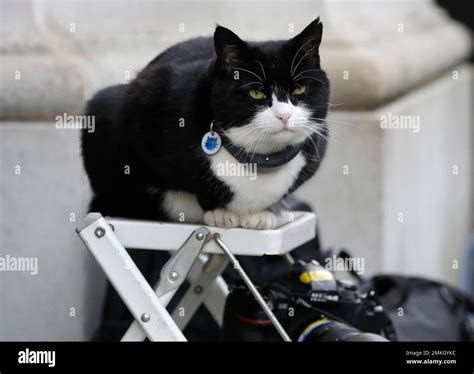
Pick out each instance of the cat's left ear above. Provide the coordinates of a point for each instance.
(230, 49)
(308, 40)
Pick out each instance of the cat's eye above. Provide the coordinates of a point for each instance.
(257, 94)
(299, 90)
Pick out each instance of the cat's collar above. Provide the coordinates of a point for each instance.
(263, 162)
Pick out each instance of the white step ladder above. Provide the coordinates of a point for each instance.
(199, 254)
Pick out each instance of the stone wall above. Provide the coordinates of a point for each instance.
(398, 57)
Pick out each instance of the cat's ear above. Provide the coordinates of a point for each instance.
(230, 49)
(308, 40)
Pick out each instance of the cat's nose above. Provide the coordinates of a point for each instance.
(283, 117)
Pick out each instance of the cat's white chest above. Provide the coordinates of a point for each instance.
(254, 191)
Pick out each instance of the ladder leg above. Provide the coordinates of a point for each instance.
(204, 277)
(128, 281)
(173, 274)
(207, 286)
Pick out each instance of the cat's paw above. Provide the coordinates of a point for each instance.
(221, 218)
(264, 220)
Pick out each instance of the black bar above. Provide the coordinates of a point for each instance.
(204, 357)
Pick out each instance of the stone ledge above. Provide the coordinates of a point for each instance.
(382, 72)
(62, 69)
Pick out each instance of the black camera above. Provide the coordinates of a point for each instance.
(311, 305)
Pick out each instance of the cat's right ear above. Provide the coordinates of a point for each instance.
(308, 40)
(230, 49)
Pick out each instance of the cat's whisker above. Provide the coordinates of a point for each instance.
(308, 77)
(316, 148)
(323, 124)
(263, 70)
(314, 144)
(337, 122)
(305, 71)
(296, 54)
(248, 71)
(248, 84)
(252, 133)
(316, 131)
(258, 135)
(302, 58)
(325, 133)
(309, 120)
(324, 129)
(261, 141)
(256, 142)
(246, 133)
(321, 136)
(247, 143)
(255, 145)
(251, 140)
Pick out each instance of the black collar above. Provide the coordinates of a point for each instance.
(264, 162)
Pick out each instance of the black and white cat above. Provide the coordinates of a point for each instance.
(268, 102)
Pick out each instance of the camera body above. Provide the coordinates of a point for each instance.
(310, 304)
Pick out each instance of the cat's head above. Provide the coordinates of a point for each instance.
(269, 95)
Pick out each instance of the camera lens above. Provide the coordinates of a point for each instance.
(331, 331)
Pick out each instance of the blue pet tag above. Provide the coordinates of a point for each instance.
(211, 142)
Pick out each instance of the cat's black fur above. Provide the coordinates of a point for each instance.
(140, 143)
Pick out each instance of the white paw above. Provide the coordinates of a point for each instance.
(261, 221)
(221, 218)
